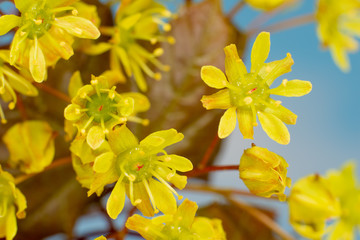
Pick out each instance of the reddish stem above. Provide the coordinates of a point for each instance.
(20, 106)
(53, 91)
(197, 172)
(209, 152)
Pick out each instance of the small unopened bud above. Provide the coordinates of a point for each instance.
(264, 172)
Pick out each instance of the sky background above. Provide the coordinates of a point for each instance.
(327, 131)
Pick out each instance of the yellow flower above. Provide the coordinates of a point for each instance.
(246, 95)
(265, 4)
(31, 145)
(264, 172)
(343, 184)
(135, 21)
(42, 37)
(311, 203)
(338, 24)
(10, 196)
(181, 225)
(100, 238)
(133, 166)
(97, 108)
(11, 81)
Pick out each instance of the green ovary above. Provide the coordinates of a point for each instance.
(135, 164)
(37, 21)
(254, 92)
(101, 107)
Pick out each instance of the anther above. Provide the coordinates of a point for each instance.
(74, 12)
(62, 43)
(157, 76)
(11, 105)
(284, 82)
(131, 177)
(171, 40)
(158, 52)
(38, 21)
(277, 103)
(248, 100)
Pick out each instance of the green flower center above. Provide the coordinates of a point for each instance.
(36, 21)
(101, 107)
(135, 164)
(255, 92)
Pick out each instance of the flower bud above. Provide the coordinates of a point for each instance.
(264, 172)
(311, 203)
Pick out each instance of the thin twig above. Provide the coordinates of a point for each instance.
(262, 217)
(289, 23)
(224, 191)
(53, 91)
(57, 163)
(209, 152)
(20, 107)
(197, 172)
(124, 229)
(236, 9)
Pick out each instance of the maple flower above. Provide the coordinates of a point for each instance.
(311, 204)
(97, 108)
(264, 172)
(133, 166)
(10, 198)
(265, 4)
(181, 225)
(246, 95)
(42, 37)
(11, 81)
(343, 184)
(31, 145)
(338, 25)
(135, 21)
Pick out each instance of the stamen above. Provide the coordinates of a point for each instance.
(83, 130)
(144, 122)
(166, 184)
(146, 185)
(158, 52)
(38, 21)
(112, 93)
(2, 116)
(248, 100)
(277, 103)
(253, 110)
(121, 119)
(284, 82)
(95, 85)
(132, 192)
(62, 9)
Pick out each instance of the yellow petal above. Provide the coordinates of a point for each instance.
(75, 84)
(234, 67)
(37, 64)
(186, 213)
(293, 88)
(71, 112)
(260, 51)
(121, 139)
(246, 122)
(274, 127)
(142, 103)
(78, 26)
(11, 226)
(116, 201)
(8, 22)
(95, 137)
(103, 162)
(282, 113)
(157, 141)
(177, 162)
(140, 193)
(23, 5)
(219, 100)
(227, 123)
(21, 203)
(164, 199)
(340, 57)
(272, 70)
(213, 77)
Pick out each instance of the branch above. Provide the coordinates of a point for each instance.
(53, 91)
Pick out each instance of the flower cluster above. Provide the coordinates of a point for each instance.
(133, 166)
(316, 199)
(42, 36)
(247, 95)
(180, 225)
(135, 21)
(96, 108)
(338, 25)
(10, 198)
